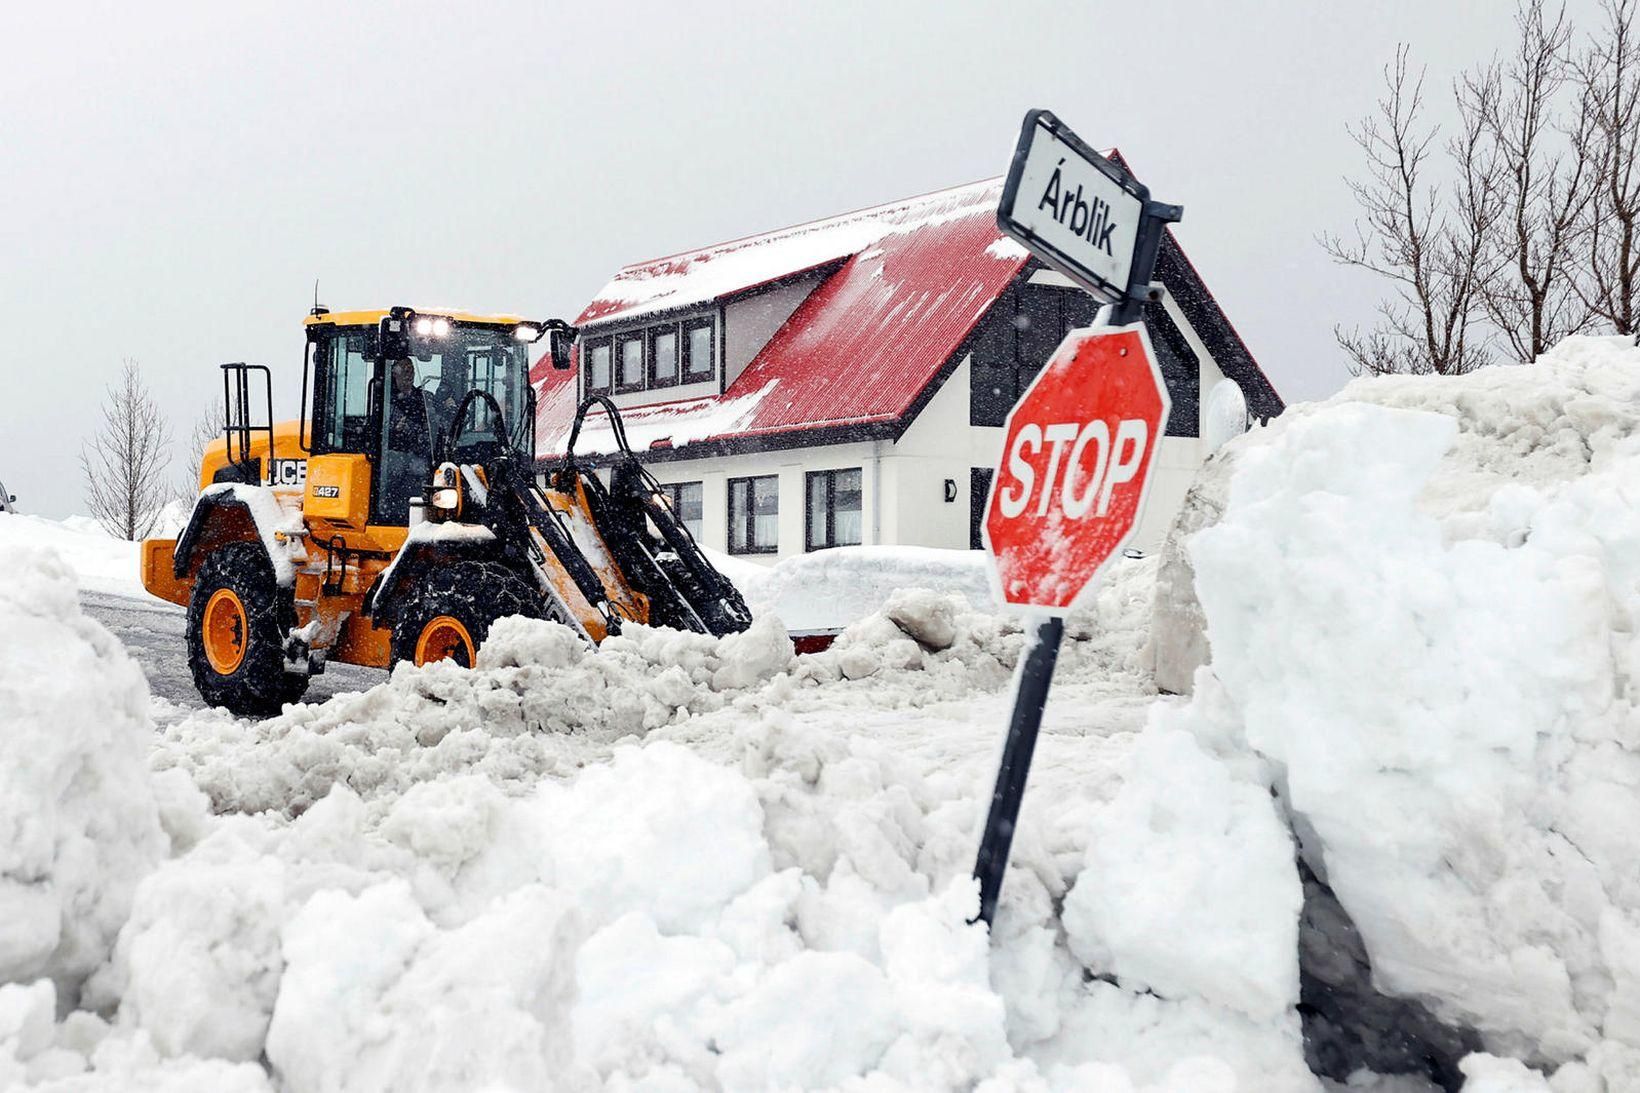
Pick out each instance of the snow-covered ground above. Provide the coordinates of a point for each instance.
(1392, 826)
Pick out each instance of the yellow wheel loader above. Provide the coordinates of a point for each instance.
(399, 517)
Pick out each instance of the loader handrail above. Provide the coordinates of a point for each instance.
(237, 426)
(616, 426)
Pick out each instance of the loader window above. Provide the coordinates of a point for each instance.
(341, 400)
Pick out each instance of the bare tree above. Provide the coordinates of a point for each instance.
(1545, 182)
(209, 426)
(124, 465)
(1610, 78)
(1431, 246)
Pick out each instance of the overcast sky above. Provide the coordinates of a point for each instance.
(173, 177)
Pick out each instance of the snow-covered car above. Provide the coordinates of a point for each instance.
(7, 500)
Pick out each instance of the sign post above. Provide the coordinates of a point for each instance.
(1079, 444)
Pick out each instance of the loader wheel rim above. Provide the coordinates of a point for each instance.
(445, 638)
(224, 629)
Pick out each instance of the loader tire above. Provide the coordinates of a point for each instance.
(238, 618)
(449, 614)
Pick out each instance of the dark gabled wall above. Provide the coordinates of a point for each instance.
(1028, 322)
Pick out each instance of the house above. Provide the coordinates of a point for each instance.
(845, 381)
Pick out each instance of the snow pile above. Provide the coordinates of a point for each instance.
(78, 820)
(1421, 601)
(532, 678)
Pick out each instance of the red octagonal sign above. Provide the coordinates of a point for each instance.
(1076, 458)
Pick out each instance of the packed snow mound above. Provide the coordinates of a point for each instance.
(1421, 600)
(830, 589)
(956, 649)
(79, 822)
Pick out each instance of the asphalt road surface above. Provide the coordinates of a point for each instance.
(152, 631)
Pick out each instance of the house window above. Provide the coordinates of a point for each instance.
(598, 359)
(630, 349)
(832, 513)
(697, 351)
(754, 515)
(685, 498)
(663, 356)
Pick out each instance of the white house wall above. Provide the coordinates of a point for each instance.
(789, 466)
(904, 483)
(749, 322)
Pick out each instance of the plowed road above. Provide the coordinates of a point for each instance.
(152, 631)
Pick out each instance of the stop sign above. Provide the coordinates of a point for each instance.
(1076, 457)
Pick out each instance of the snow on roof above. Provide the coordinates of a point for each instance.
(727, 269)
(913, 280)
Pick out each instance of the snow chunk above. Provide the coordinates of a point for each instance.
(200, 955)
(375, 996)
(615, 833)
(1187, 850)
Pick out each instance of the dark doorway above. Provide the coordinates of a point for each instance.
(979, 491)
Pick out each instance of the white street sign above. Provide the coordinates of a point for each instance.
(1073, 207)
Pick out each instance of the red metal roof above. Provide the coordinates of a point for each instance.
(915, 277)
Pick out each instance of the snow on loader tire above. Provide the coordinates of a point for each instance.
(449, 614)
(238, 619)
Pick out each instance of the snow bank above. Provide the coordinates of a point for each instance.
(1421, 601)
(100, 562)
(79, 823)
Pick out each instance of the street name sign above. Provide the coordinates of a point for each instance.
(1072, 207)
(1077, 452)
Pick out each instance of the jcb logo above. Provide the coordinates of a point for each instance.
(287, 472)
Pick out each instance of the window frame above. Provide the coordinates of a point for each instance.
(674, 497)
(651, 336)
(616, 362)
(749, 517)
(830, 516)
(587, 349)
(686, 357)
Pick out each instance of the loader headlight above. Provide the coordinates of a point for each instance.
(430, 327)
(447, 499)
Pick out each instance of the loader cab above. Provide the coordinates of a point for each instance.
(386, 389)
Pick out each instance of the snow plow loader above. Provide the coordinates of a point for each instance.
(400, 516)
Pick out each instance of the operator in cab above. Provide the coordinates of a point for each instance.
(408, 460)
